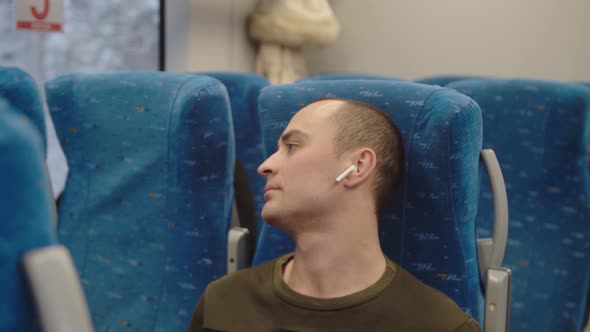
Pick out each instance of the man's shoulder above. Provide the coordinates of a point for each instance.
(423, 294)
(420, 298)
(239, 295)
(242, 281)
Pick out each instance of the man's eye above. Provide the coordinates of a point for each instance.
(290, 147)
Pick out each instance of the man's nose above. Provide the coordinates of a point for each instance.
(267, 168)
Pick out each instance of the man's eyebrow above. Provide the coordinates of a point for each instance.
(294, 133)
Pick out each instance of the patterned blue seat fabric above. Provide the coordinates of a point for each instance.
(430, 227)
(243, 90)
(444, 80)
(19, 89)
(27, 213)
(588, 85)
(348, 76)
(540, 132)
(147, 205)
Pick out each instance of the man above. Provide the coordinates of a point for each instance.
(338, 279)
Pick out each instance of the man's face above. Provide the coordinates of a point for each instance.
(300, 176)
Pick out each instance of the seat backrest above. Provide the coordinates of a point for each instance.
(147, 205)
(429, 229)
(19, 89)
(243, 90)
(587, 84)
(444, 80)
(540, 132)
(27, 213)
(348, 76)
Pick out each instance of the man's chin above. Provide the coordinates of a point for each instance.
(278, 220)
(271, 216)
(268, 215)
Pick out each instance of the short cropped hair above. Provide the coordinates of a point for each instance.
(361, 125)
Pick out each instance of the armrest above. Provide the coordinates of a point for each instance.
(57, 290)
(497, 311)
(491, 250)
(237, 249)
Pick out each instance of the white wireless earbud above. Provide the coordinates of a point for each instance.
(344, 174)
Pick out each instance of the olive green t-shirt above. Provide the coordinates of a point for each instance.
(257, 299)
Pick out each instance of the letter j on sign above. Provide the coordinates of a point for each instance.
(39, 15)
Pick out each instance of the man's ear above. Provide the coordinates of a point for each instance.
(365, 161)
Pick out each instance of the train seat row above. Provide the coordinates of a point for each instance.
(162, 166)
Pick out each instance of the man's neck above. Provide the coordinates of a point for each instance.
(337, 262)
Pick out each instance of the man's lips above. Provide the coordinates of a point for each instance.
(268, 188)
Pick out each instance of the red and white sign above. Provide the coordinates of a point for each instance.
(39, 15)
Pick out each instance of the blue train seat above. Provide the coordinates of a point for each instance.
(26, 211)
(243, 90)
(430, 229)
(147, 205)
(540, 131)
(40, 289)
(444, 80)
(19, 89)
(348, 76)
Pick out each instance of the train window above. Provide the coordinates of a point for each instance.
(98, 36)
